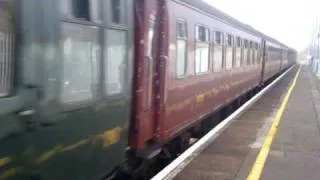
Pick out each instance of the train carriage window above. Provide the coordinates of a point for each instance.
(218, 38)
(245, 52)
(252, 49)
(118, 11)
(238, 52)
(83, 44)
(181, 53)
(229, 52)
(88, 10)
(217, 52)
(238, 42)
(7, 17)
(253, 53)
(230, 40)
(202, 50)
(115, 63)
(245, 43)
(249, 56)
(202, 34)
(257, 53)
(81, 52)
(78, 9)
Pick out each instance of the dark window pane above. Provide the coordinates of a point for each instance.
(218, 37)
(202, 34)
(78, 9)
(81, 9)
(230, 39)
(181, 30)
(245, 43)
(238, 42)
(116, 11)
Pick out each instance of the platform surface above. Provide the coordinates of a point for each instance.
(295, 150)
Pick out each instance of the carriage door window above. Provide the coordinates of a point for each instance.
(202, 50)
(217, 52)
(181, 53)
(6, 47)
(238, 52)
(229, 50)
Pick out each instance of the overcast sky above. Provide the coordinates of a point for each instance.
(289, 21)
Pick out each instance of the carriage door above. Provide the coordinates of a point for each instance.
(143, 124)
(150, 55)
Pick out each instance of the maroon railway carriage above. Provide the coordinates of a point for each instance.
(191, 60)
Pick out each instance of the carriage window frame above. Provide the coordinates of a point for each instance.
(103, 24)
(181, 37)
(205, 40)
(245, 50)
(229, 43)
(218, 40)
(238, 45)
(207, 33)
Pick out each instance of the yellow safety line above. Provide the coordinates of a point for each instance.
(258, 166)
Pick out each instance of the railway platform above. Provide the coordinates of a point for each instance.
(277, 138)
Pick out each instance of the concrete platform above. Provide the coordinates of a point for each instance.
(295, 150)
